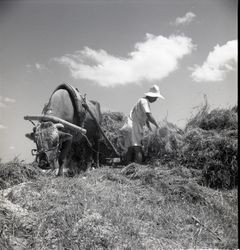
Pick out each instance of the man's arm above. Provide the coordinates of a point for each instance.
(151, 119)
(148, 125)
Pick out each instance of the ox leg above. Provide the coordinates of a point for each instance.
(87, 154)
(62, 167)
(56, 167)
(63, 157)
(90, 158)
(97, 153)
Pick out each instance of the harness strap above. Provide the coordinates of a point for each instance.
(77, 102)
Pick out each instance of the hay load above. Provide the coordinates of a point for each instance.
(111, 124)
(163, 143)
(210, 144)
(216, 119)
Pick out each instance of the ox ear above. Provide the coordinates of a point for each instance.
(30, 136)
(64, 137)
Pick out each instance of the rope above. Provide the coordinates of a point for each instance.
(32, 123)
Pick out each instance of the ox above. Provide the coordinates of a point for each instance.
(54, 141)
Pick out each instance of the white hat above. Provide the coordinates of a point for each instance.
(154, 92)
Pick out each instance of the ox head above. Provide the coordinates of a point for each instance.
(48, 138)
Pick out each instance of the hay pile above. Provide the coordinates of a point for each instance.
(111, 124)
(217, 119)
(177, 182)
(210, 144)
(163, 143)
(16, 172)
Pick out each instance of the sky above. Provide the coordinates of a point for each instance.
(114, 51)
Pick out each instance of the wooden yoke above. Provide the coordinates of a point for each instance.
(56, 120)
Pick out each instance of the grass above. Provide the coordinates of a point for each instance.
(136, 207)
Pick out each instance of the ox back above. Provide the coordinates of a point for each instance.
(67, 103)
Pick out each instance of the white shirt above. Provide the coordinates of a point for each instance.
(138, 113)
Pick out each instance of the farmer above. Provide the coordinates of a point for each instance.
(132, 131)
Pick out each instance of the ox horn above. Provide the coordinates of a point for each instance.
(57, 121)
(59, 125)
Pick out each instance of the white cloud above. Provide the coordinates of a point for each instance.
(36, 67)
(185, 19)
(12, 147)
(2, 126)
(2, 105)
(6, 100)
(219, 62)
(153, 59)
(40, 67)
(9, 100)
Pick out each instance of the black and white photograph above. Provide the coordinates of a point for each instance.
(118, 124)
